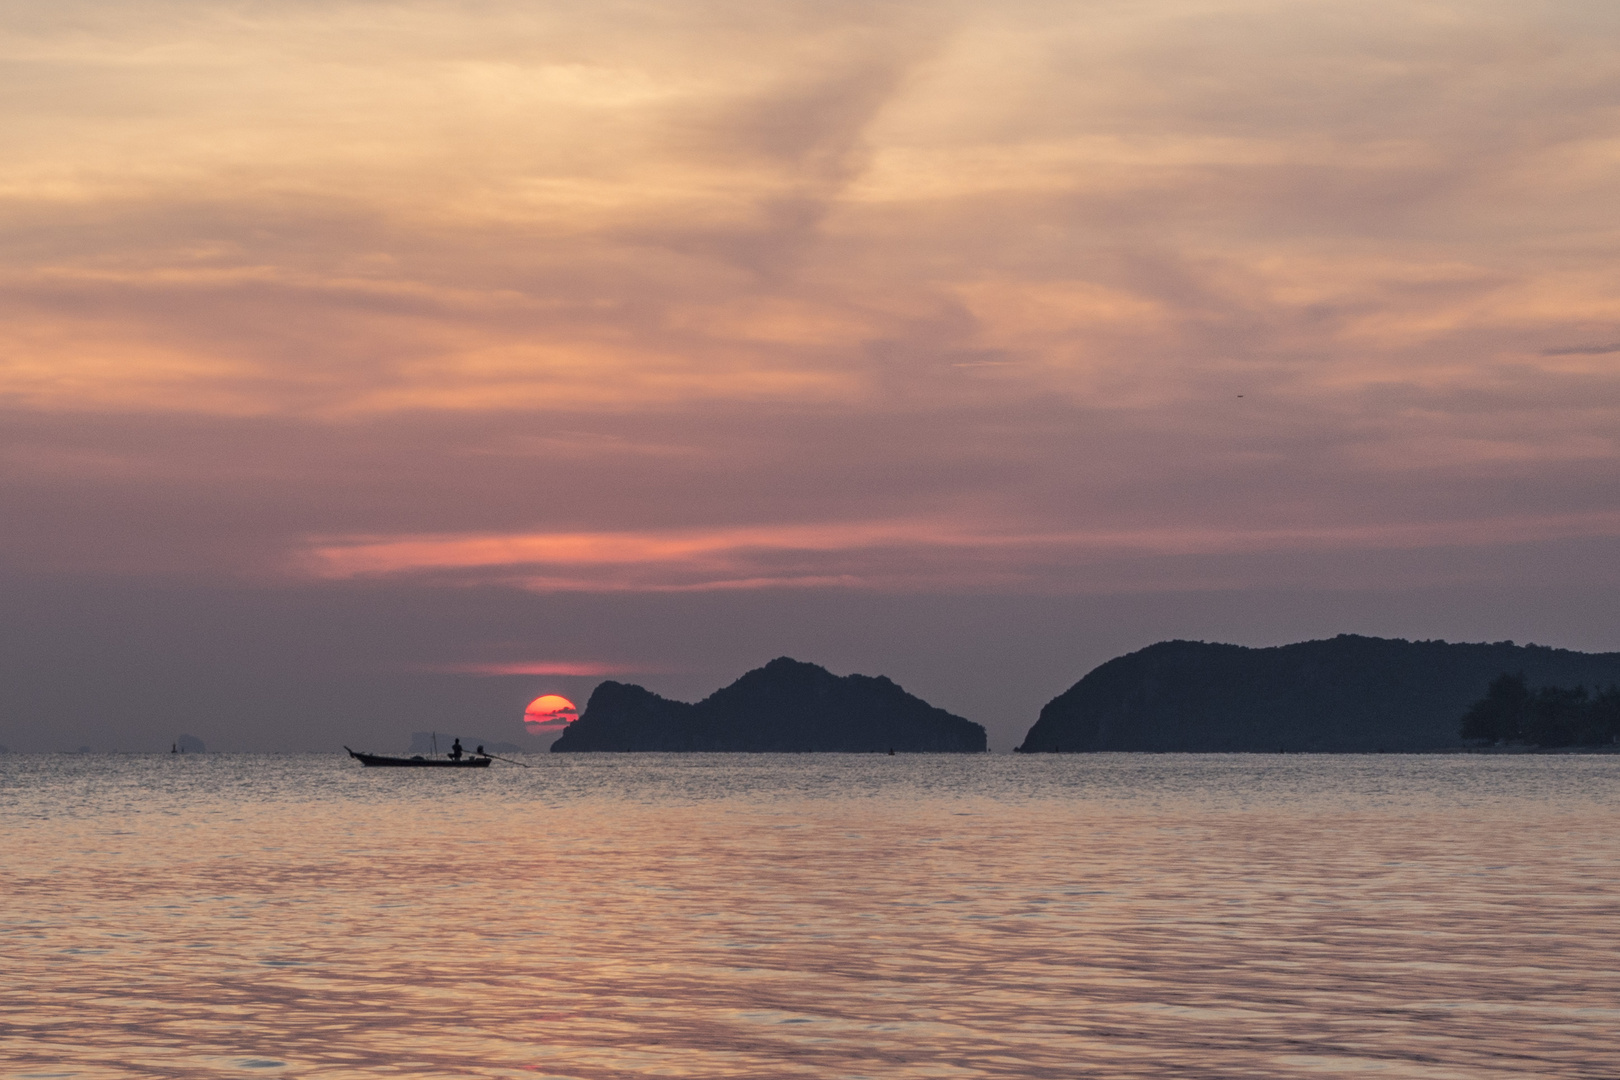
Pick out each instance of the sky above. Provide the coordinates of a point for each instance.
(371, 367)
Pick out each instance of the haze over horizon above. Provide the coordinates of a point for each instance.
(373, 367)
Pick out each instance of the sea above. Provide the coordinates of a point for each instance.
(616, 916)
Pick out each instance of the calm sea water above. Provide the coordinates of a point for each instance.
(607, 916)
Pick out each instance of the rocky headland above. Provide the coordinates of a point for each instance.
(1348, 694)
(785, 706)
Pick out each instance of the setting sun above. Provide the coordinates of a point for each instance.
(548, 714)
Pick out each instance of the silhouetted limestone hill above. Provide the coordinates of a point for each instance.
(1347, 694)
(785, 706)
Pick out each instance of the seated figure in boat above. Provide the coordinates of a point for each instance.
(455, 751)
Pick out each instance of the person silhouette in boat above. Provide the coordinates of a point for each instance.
(455, 750)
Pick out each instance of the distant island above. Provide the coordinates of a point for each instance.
(1348, 694)
(785, 706)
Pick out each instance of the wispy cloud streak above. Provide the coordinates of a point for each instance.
(573, 668)
(1583, 350)
(884, 554)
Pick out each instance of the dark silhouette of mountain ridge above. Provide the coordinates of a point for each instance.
(1345, 694)
(785, 706)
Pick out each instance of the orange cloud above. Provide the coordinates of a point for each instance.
(344, 210)
(887, 554)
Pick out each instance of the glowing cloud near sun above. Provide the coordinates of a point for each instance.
(548, 714)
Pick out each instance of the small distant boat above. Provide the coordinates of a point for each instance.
(417, 761)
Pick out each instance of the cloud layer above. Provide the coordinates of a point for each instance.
(635, 298)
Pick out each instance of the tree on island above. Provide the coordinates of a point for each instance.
(1553, 716)
(1499, 716)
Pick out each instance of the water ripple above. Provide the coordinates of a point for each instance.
(765, 917)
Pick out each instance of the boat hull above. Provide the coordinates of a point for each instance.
(387, 762)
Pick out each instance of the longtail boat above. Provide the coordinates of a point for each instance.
(417, 761)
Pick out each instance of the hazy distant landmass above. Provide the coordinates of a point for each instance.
(785, 706)
(1347, 694)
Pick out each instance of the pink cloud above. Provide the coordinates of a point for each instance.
(546, 667)
(899, 554)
